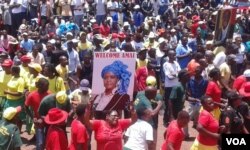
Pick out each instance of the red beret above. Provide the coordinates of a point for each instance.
(7, 63)
(25, 58)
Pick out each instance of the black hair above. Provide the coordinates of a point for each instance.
(15, 69)
(140, 112)
(42, 82)
(182, 73)
(204, 98)
(183, 115)
(198, 56)
(214, 72)
(80, 110)
(51, 68)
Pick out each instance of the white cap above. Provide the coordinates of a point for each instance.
(126, 24)
(247, 73)
(151, 35)
(52, 41)
(92, 20)
(161, 40)
(137, 7)
(172, 30)
(238, 16)
(75, 40)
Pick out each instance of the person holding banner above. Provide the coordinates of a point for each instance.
(116, 80)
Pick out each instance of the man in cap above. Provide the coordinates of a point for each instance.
(59, 100)
(34, 74)
(9, 133)
(142, 60)
(82, 94)
(138, 17)
(56, 138)
(27, 44)
(5, 77)
(240, 80)
(151, 43)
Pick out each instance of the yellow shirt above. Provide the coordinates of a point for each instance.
(225, 72)
(4, 79)
(63, 71)
(149, 45)
(84, 46)
(32, 82)
(24, 72)
(15, 85)
(141, 63)
(56, 84)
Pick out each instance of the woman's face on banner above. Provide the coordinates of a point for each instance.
(110, 81)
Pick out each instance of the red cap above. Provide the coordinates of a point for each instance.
(95, 26)
(25, 59)
(7, 63)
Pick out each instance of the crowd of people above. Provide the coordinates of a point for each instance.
(182, 73)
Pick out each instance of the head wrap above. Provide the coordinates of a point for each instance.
(120, 71)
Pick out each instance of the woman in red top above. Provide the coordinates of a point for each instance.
(174, 133)
(109, 132)
(208, 127)
(214, 91)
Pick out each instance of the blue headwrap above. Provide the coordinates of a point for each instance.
(120, 71)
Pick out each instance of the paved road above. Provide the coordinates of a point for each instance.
(185, 145)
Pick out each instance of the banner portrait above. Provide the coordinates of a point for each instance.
(113, 80)
(224, 25)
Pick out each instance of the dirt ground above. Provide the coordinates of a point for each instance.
(185, 145)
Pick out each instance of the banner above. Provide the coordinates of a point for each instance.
(114, 71)
(225, 22)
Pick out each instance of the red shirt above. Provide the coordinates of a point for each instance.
(207, 120)
(238, 82)
(194, 28)
(175, 135)
(214, 91)
(191, 67)
(56, 139)
(104, 30)
(34, 99)
(141, 75)
(79, 135)
(108, 137)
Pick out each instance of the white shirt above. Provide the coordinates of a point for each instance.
(39, 59)
(73, 61)
(16, 10)
(100, 7)
(78, 6)
(138, 134)
(112, 5)
(171, 69)
(240, 55)
(219, 59)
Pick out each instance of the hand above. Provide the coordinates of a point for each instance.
(222, 129)
(5, 92)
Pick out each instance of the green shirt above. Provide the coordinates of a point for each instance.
(9, 132)
(143, 101)
(49, 102)
(177, 95)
